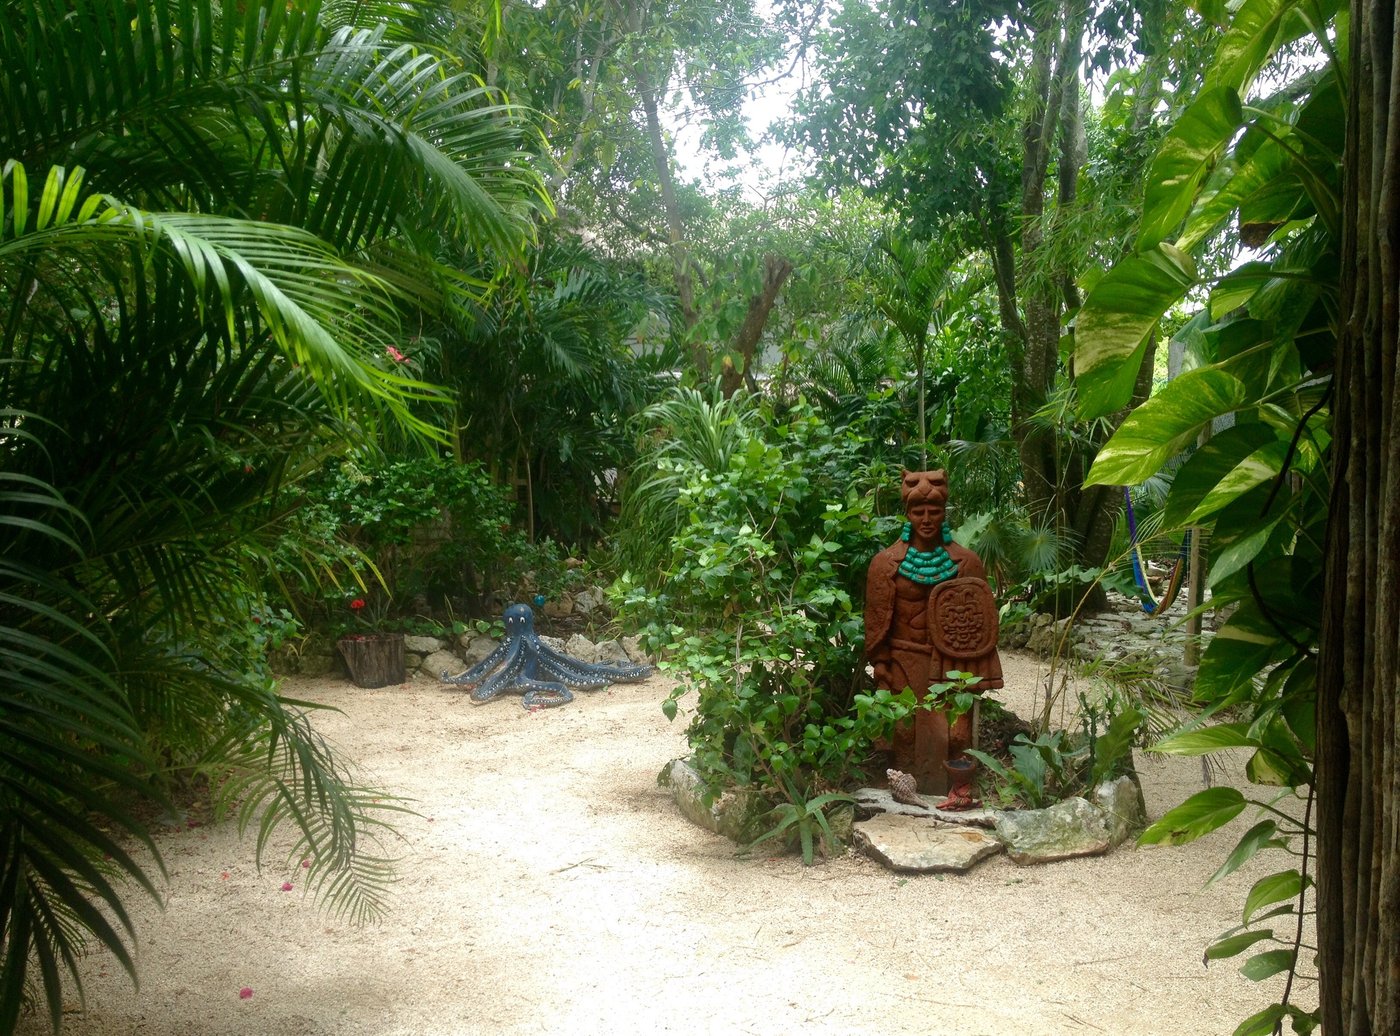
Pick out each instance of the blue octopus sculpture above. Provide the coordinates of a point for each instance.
(547, 677)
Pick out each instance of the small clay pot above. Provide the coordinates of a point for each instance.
(960, 771)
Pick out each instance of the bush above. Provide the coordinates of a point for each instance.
(405, 534)
(759, 608)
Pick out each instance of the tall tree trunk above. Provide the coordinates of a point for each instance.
(776, 271)
(1358, 769)
(1036, 370)
(680, 250)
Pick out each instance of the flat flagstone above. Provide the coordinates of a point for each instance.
(920, 845)
(874, 801)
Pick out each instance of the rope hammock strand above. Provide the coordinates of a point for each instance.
(1152, 604)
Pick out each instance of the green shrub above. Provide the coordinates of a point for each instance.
(759, 610)
(430, 530)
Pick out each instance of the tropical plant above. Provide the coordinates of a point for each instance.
(429, 527)
(805, 819)
(680, 438)
(758, 608)
(545, 381)
(203, 253)
(1058, 764)
(1264, 352)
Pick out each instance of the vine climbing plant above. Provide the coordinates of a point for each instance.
(1262, 352)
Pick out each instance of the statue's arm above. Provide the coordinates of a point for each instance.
(879, 613)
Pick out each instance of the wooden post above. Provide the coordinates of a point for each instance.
(1195, 588)
(374, 659)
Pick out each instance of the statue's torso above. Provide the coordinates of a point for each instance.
(910, 619)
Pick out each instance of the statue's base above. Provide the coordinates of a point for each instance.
(921, 747)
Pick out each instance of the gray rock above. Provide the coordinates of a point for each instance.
(1074, 827)
(633, 647)
(842, 821)
(737, 815)
(440, 662)
(1121, 802)
(475, 647)
(906, 843)
(586, 602)
(611, 652)
(422, 645)
(553, 642)
(582, 648)
(412, 661)
(559, 608)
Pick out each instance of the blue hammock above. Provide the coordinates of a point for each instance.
(1152, 604)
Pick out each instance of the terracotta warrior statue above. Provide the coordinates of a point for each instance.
(929, 611)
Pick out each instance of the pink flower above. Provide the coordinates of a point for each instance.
(305, 863)
(286, 886)
(395, 355)
(245, 993)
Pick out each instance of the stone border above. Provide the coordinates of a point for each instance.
(908, 839)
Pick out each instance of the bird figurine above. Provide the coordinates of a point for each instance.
(903, 788)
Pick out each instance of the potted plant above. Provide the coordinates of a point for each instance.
(373, 656)
(955, 698)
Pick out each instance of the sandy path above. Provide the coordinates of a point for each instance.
(551, 887)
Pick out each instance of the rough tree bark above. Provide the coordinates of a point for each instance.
(680, 251)
(776, 271)
(1357, 767)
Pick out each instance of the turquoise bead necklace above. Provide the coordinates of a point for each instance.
(927, 566)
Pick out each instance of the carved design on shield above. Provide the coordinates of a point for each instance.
(963, 621)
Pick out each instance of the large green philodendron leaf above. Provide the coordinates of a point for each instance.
(1258, 29)
(1204, 470)
(1261, 466)
(1242, 649)
(1244, 530)
(1185, 158)
(1164, 425)
(1112, 329)
(1238, 183)
(1199, 815)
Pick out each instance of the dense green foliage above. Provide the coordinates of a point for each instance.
(288, 320)
(1262, 352)
(206, 246)
(759, 611)
(424, 535)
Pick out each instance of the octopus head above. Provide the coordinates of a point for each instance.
(520, 621)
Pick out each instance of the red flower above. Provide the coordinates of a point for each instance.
(357, 604)
(286, 886)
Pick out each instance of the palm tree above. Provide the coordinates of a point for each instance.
(204, 252)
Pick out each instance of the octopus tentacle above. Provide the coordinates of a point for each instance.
(490, 662)
(545, 677)
(544, 694)
(599, 673)
(500, 681)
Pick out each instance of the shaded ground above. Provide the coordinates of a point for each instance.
(550, 886)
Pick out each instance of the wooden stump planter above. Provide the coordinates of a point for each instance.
(374, 659)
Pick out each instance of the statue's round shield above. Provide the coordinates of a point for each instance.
(962, 618)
